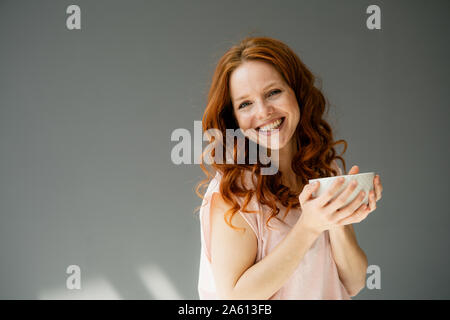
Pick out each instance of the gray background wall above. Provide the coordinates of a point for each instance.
(86, 118)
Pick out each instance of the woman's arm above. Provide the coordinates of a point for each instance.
(233, 253)
(350, 259)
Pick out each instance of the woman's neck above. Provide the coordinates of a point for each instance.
(288, 176)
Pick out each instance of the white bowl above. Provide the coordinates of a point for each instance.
(365, 182)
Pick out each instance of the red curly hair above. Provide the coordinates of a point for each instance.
(313, 135)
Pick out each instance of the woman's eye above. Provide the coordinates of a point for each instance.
(271, 93)
(276, 91)
(243, 105)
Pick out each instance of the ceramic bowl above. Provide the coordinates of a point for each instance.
(365, 182)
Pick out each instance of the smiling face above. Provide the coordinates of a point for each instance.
(264, 105)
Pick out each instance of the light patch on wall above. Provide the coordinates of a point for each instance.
(158, 283)
(93, 289)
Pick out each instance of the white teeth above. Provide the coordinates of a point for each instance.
(271, 126)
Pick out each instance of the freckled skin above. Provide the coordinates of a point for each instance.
(263, 103)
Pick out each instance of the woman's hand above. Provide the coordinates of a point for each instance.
(374, 196)
(323, 213)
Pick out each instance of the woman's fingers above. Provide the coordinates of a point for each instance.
(354, 170)
(330, 193)
(349, 209)
(372, 201)
(378, 187)
(342, 198)
(358, 216)
(307, 192)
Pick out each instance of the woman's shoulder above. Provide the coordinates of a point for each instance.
(248, 181)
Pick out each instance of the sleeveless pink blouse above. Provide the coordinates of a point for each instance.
(316, 276)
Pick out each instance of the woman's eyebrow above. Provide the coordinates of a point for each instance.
(264, 89)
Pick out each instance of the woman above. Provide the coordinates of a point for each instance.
(266, 236)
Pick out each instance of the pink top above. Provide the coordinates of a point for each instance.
(316, 276)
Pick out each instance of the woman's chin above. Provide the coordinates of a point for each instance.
(274, 148)
(268, 142)
(273, 145)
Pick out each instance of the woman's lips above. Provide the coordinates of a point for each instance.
(272, 131)
(269, 122)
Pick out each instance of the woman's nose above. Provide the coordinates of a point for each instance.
(264, 109)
